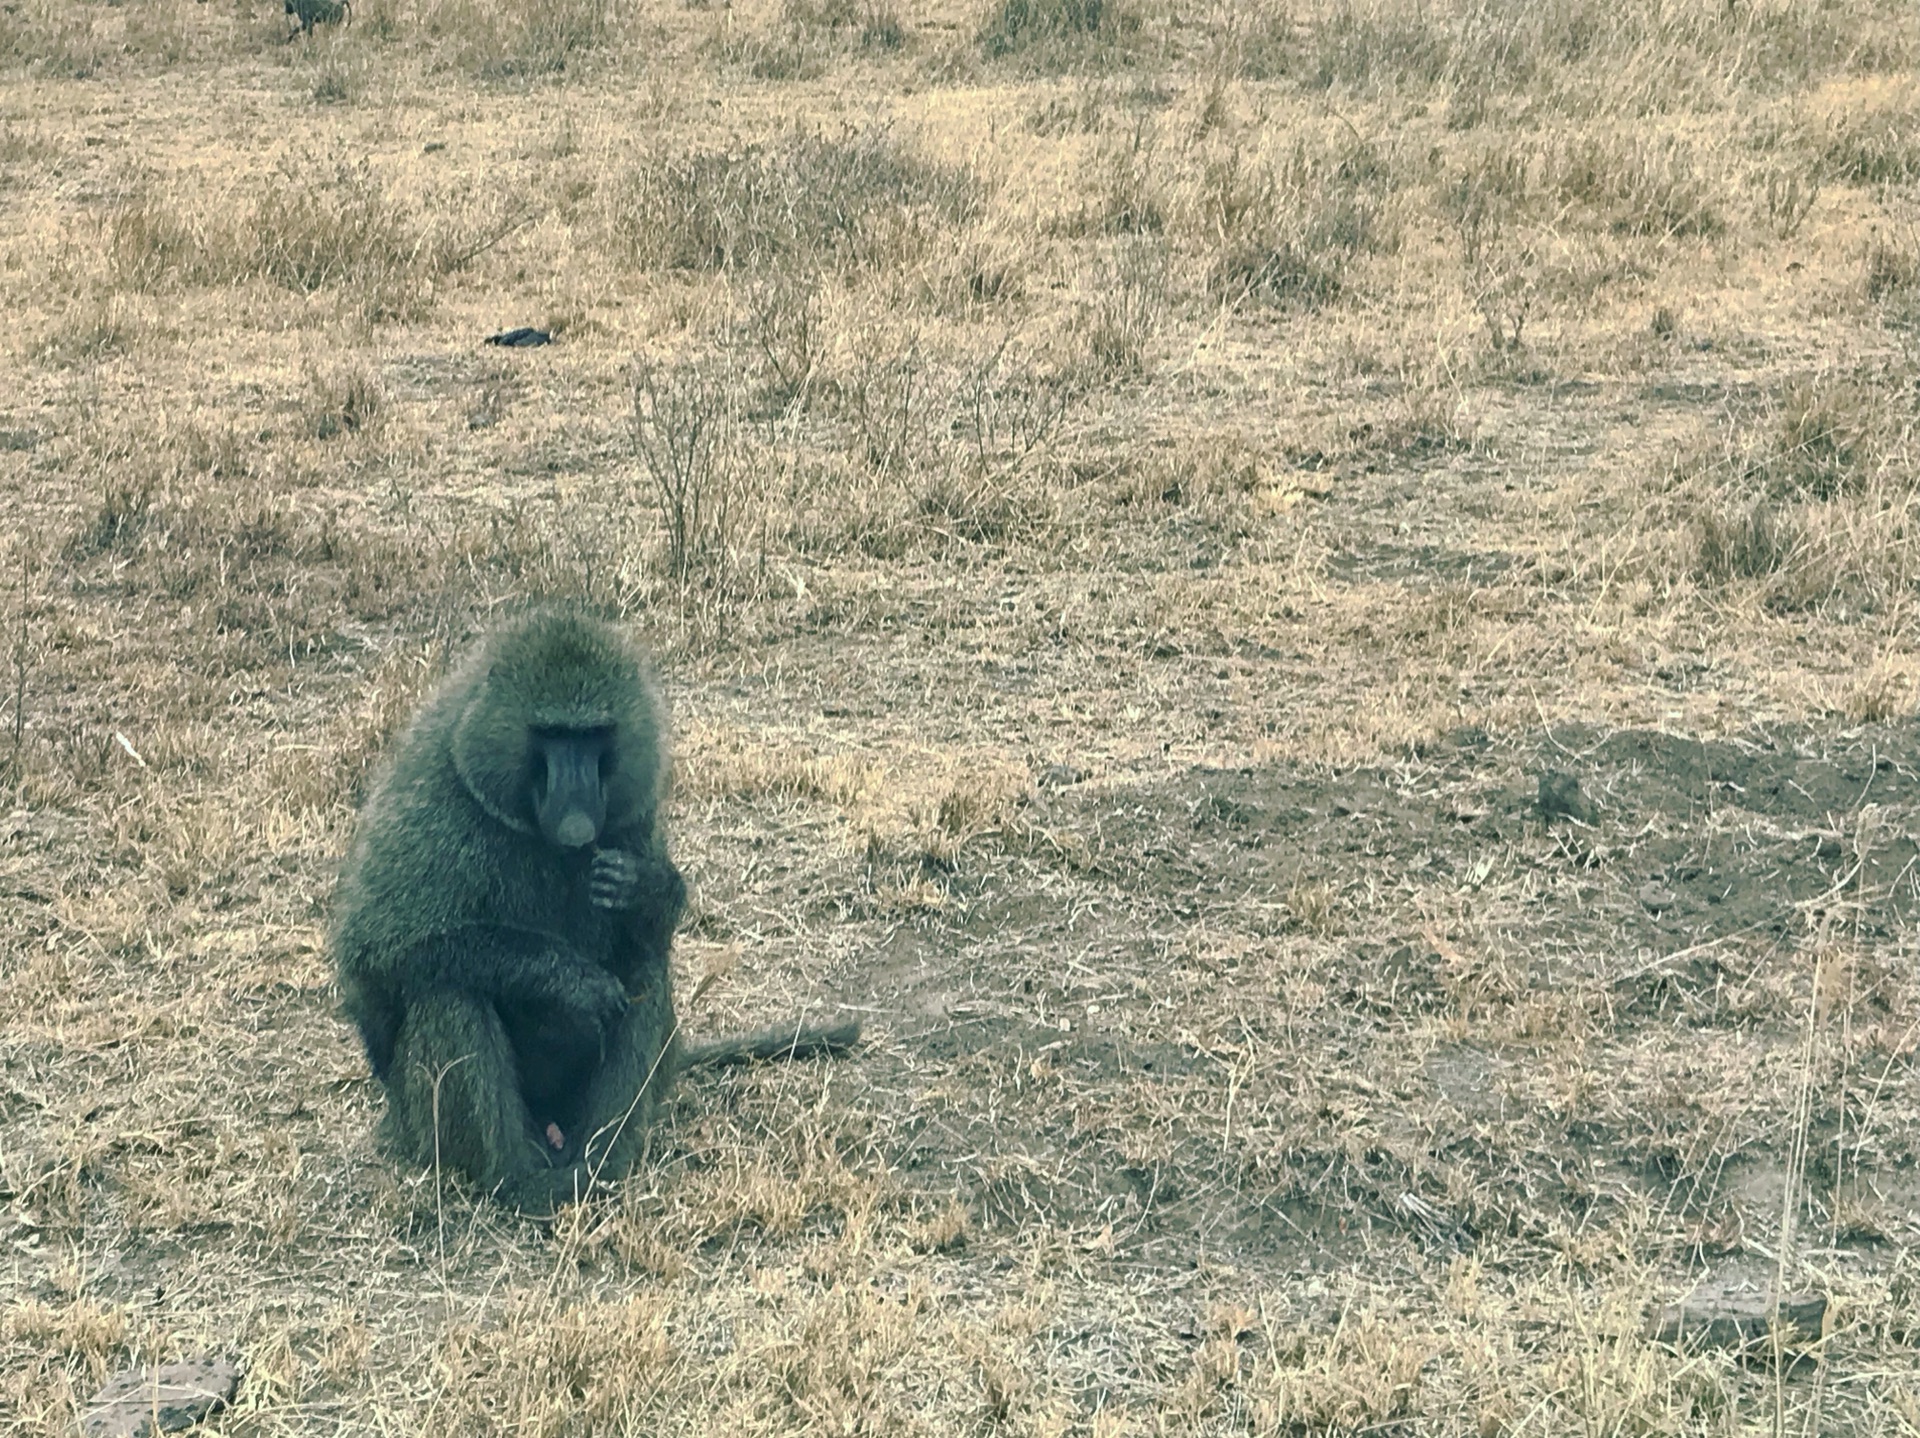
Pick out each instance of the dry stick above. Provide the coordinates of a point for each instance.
(460, 260)
(1796, 1167)
(439, 1186)
(14, 764)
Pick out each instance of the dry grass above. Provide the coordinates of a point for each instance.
(1129, 500)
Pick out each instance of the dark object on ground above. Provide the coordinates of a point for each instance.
(1719, 1316)
(309, 13)
(175, 1395)
(504, 919)
(526, 337)
(1560, 798)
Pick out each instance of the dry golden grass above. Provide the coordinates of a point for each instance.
(1128, 499)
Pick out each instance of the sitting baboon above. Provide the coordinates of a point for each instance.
(504, 918)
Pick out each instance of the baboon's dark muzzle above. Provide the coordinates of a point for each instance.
(569, 802)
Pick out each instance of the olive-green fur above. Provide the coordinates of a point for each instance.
(456, 918)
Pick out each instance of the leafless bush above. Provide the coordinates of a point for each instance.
(685, 429)
(781, 332)
(1010, 404)
(889, 404)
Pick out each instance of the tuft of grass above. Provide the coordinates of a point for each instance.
(341, 230)
(862, 199)
(1577, 57)
(1873, 147)
(346, 400)
(1643, 186)
(1053, 30)
(1893, 266)
(519, 39)
(1744, 539)
(1122, 194)
(809, 35)
(1127, 299)
(1287, 234)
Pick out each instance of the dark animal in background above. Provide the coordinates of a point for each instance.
(308, 13)
(504, 919)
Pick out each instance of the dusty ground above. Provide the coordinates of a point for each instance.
(1185, 482)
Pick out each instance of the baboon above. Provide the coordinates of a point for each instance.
(504, 917)
(308, 13)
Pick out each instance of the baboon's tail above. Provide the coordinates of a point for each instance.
(802, 1043)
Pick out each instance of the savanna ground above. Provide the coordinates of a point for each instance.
(1129, 499)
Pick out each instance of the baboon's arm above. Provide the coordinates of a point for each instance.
(515, 968)
(644, 890)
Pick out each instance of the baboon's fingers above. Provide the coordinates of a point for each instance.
(615, 880)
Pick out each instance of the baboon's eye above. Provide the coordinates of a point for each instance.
(606, 764)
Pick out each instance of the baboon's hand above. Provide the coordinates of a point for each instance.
(615, 880)
(598, 998)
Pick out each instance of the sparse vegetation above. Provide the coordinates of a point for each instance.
(1310, 608)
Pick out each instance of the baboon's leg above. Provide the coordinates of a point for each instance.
(628, 1087)
(453, 1092)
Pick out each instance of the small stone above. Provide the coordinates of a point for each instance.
(1656, 896)
(173, 1396)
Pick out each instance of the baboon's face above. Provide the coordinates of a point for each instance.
(568, 769)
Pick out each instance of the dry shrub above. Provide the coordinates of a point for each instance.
(810, 35)
(1054, 31)
(1287, 233)
(341, 230)
(860, 199)
(1873, 147)
(519, 39)
(686, 432)
(1577, 56)
(1639, 185)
